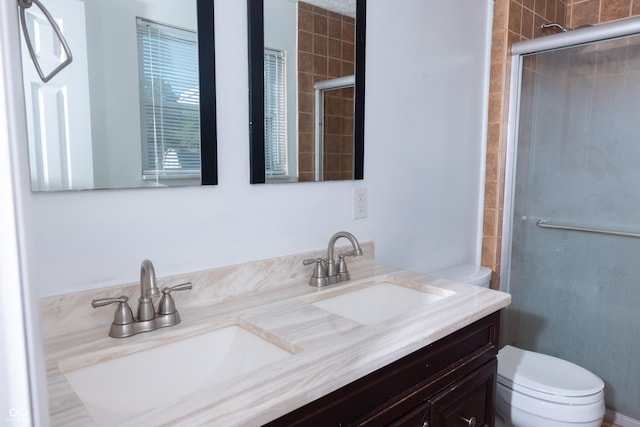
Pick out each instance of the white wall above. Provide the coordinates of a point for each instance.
(427, 82)
(21, 361)
(425, 102)
(426, 85)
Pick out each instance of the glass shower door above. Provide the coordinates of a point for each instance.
(576, 295)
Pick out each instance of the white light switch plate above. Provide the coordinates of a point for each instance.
(359, 202)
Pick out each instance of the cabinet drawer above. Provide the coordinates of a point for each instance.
(390, 392)
(417, 417)
(472, 398)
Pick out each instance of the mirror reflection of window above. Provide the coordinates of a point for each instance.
(275, 120)
(169, 101)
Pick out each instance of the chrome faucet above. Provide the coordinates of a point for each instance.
(326, 271)
(147, 319)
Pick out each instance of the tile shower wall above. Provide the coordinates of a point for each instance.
(513, 20)
(590, 12)
(338, 134)
(326, 50)
(516, 20)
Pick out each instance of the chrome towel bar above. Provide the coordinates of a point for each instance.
(543, 224)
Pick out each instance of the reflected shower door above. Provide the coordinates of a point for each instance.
(576, 295)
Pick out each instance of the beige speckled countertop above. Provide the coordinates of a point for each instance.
(328, 351)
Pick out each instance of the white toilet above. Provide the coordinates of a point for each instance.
(537, 390)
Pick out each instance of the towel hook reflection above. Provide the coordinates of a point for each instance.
(25, 4)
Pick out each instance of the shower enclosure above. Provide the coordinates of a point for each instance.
(572, 228)
(334, 118)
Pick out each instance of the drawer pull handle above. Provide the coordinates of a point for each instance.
(471, 422)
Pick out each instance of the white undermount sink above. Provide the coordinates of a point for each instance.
(117, 389)
(381, 301)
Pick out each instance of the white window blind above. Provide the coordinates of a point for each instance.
(169, 100)
(275, 121)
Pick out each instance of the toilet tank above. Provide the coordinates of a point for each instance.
(466, 273)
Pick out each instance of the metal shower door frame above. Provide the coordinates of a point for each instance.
(596, 33)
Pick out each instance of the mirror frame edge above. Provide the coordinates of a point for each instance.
(255, 20)
(358, 131)
(255, 15)
(208, 120)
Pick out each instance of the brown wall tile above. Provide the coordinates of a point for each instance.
(305, 41)
(348, 30)
(305, 19)
(529, 4)
(584, 13)
(305, 62)
(320, 63)
(527, 23)
(540, 7)
(334, 68)
(550, 10)
(320, 45)
(612, 10)
(515, 17)
(489, 225)
(561, 13)
(334, 48)
(320, 23)
(335, 28)
(348, 68)
(498, 46)
(500, 14)
(326, 50)
(306, 102)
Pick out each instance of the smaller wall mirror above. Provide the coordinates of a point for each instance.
(134, 108)
(306, 90)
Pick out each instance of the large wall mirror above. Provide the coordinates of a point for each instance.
(306, 84)
(136, 106)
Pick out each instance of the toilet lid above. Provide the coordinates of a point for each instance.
(546, 374)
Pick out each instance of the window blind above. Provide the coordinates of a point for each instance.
(275, 121)
(169, 100)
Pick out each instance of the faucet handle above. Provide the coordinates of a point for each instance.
(106, 301)
(123, 314)
(167, 312)
(122, 325)
(343, 273)
(167, 305)
(319, 275)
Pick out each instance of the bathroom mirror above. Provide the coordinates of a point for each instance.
(306, 90)
(136, 106)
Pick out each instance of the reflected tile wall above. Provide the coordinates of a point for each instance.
(326, 50)
(338, 134)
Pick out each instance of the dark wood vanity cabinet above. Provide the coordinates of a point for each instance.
(449, 383)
